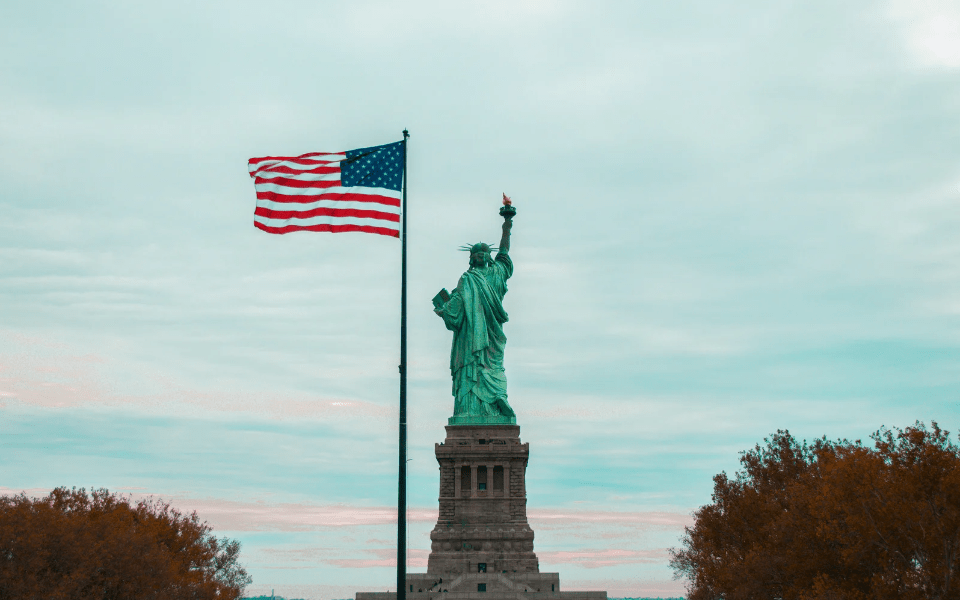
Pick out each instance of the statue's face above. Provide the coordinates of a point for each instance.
(478, 258)
(479, 255)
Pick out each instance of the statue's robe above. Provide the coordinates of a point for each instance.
(476, 316)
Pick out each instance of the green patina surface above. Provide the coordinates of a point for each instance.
(481, 420)
(474, 313)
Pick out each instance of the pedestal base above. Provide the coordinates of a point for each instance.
(482, 545)
(485, 586)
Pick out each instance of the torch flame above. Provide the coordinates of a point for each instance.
(506, 200)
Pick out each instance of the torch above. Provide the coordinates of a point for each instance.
(507, 211)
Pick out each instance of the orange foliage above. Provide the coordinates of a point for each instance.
(74, 545)
(832, 520)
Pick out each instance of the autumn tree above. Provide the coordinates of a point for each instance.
(833, 519)
(71, 544)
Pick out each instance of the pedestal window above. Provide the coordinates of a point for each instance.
(466, 486)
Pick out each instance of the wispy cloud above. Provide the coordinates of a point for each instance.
(732, 220)
(931, 30)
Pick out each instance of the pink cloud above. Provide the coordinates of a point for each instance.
(51, 374)
(345, 547)
(232, 515)
(304, 557)
(236, 515)
(572, 516)
(590, 558)
(261, 516)
(385, 557)
(30, 492)
(58, 381)
(607, 557)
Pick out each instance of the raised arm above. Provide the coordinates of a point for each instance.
(505, 238)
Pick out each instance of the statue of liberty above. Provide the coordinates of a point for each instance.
(474, 313)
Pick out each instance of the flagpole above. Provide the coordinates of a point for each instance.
(402, 484)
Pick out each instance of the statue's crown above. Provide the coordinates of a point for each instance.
(479, 246)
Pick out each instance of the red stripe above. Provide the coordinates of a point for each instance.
(326, 212)
(331, 228)
(292, 171)
(387, 200)
(299, 183)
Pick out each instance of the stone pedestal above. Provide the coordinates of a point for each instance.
(483, 503)
(482, 545)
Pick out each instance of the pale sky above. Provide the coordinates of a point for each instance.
(731, 220)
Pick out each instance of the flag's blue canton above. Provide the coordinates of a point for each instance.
(379, 166)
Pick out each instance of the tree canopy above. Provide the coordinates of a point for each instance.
(71, 544)
(831, 520)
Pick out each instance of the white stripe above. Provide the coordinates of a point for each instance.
(327, 221)
(322, 156)
(297, 206)
(285, 160)
(300, 176)
(292, 191)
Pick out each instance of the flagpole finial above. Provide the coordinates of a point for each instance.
(406, 134)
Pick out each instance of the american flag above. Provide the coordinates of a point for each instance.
(356, 190)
